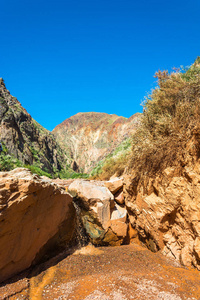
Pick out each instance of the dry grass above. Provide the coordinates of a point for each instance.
(170, 120)
(113, 166)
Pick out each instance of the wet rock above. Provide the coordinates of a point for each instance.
(37, 218)
(103, 219)
(94, 198)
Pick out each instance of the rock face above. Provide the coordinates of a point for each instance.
(89, 137)
(24, 137)
(165, 211)
(36, 216)
(103, 219)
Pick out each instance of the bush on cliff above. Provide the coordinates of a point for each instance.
(171, 118)
(8, 162)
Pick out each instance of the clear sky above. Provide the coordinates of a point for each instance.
(63, 57)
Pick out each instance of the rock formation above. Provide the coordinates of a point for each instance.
(104, 220)
(90, 137)
(37, 218)
(165, 211)
(24, 138)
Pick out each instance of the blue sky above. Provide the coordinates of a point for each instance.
(63, 57)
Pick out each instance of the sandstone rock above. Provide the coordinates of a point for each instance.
(118, 212)
(197, 247)
(94, 197)
(89, 190)
(119, 197)
(114, 184)
(118, 221)
(132, 233)
(119, 227)
(165, 211)
(103, 220)
(36, 216)
(63, 182)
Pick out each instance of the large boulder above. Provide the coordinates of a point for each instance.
(36, 216)
(104, 221)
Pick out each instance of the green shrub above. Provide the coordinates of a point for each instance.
(36, 170)
(69, 173)
(8, 162)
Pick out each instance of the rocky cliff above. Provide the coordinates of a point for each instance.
(162, 189)
(89, 137)
(24, 138)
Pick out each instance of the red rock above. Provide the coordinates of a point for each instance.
(119, 197)
(114, 185)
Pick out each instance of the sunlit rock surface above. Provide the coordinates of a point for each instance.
(103, 219)
(36, 218)
(165, 211)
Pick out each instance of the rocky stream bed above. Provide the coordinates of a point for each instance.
(95, 249)
(105, 273)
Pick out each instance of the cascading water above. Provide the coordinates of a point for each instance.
(81, 235)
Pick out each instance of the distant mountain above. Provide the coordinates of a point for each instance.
(77, 144)
(90, 137)
(24, 138)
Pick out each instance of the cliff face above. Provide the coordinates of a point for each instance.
(89, 137)
(24, 137)
(164, 210)
(162, 188)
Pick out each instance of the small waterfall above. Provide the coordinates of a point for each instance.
(81, 236)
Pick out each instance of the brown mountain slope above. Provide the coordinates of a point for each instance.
(89, 137)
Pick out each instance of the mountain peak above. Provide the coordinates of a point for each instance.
(91, 136)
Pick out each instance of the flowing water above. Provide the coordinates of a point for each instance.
(81, 237)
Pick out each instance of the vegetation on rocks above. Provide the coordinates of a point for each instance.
(89, 138)
(171, 118)
(9, 162)
(114, 163)
(169, 121)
